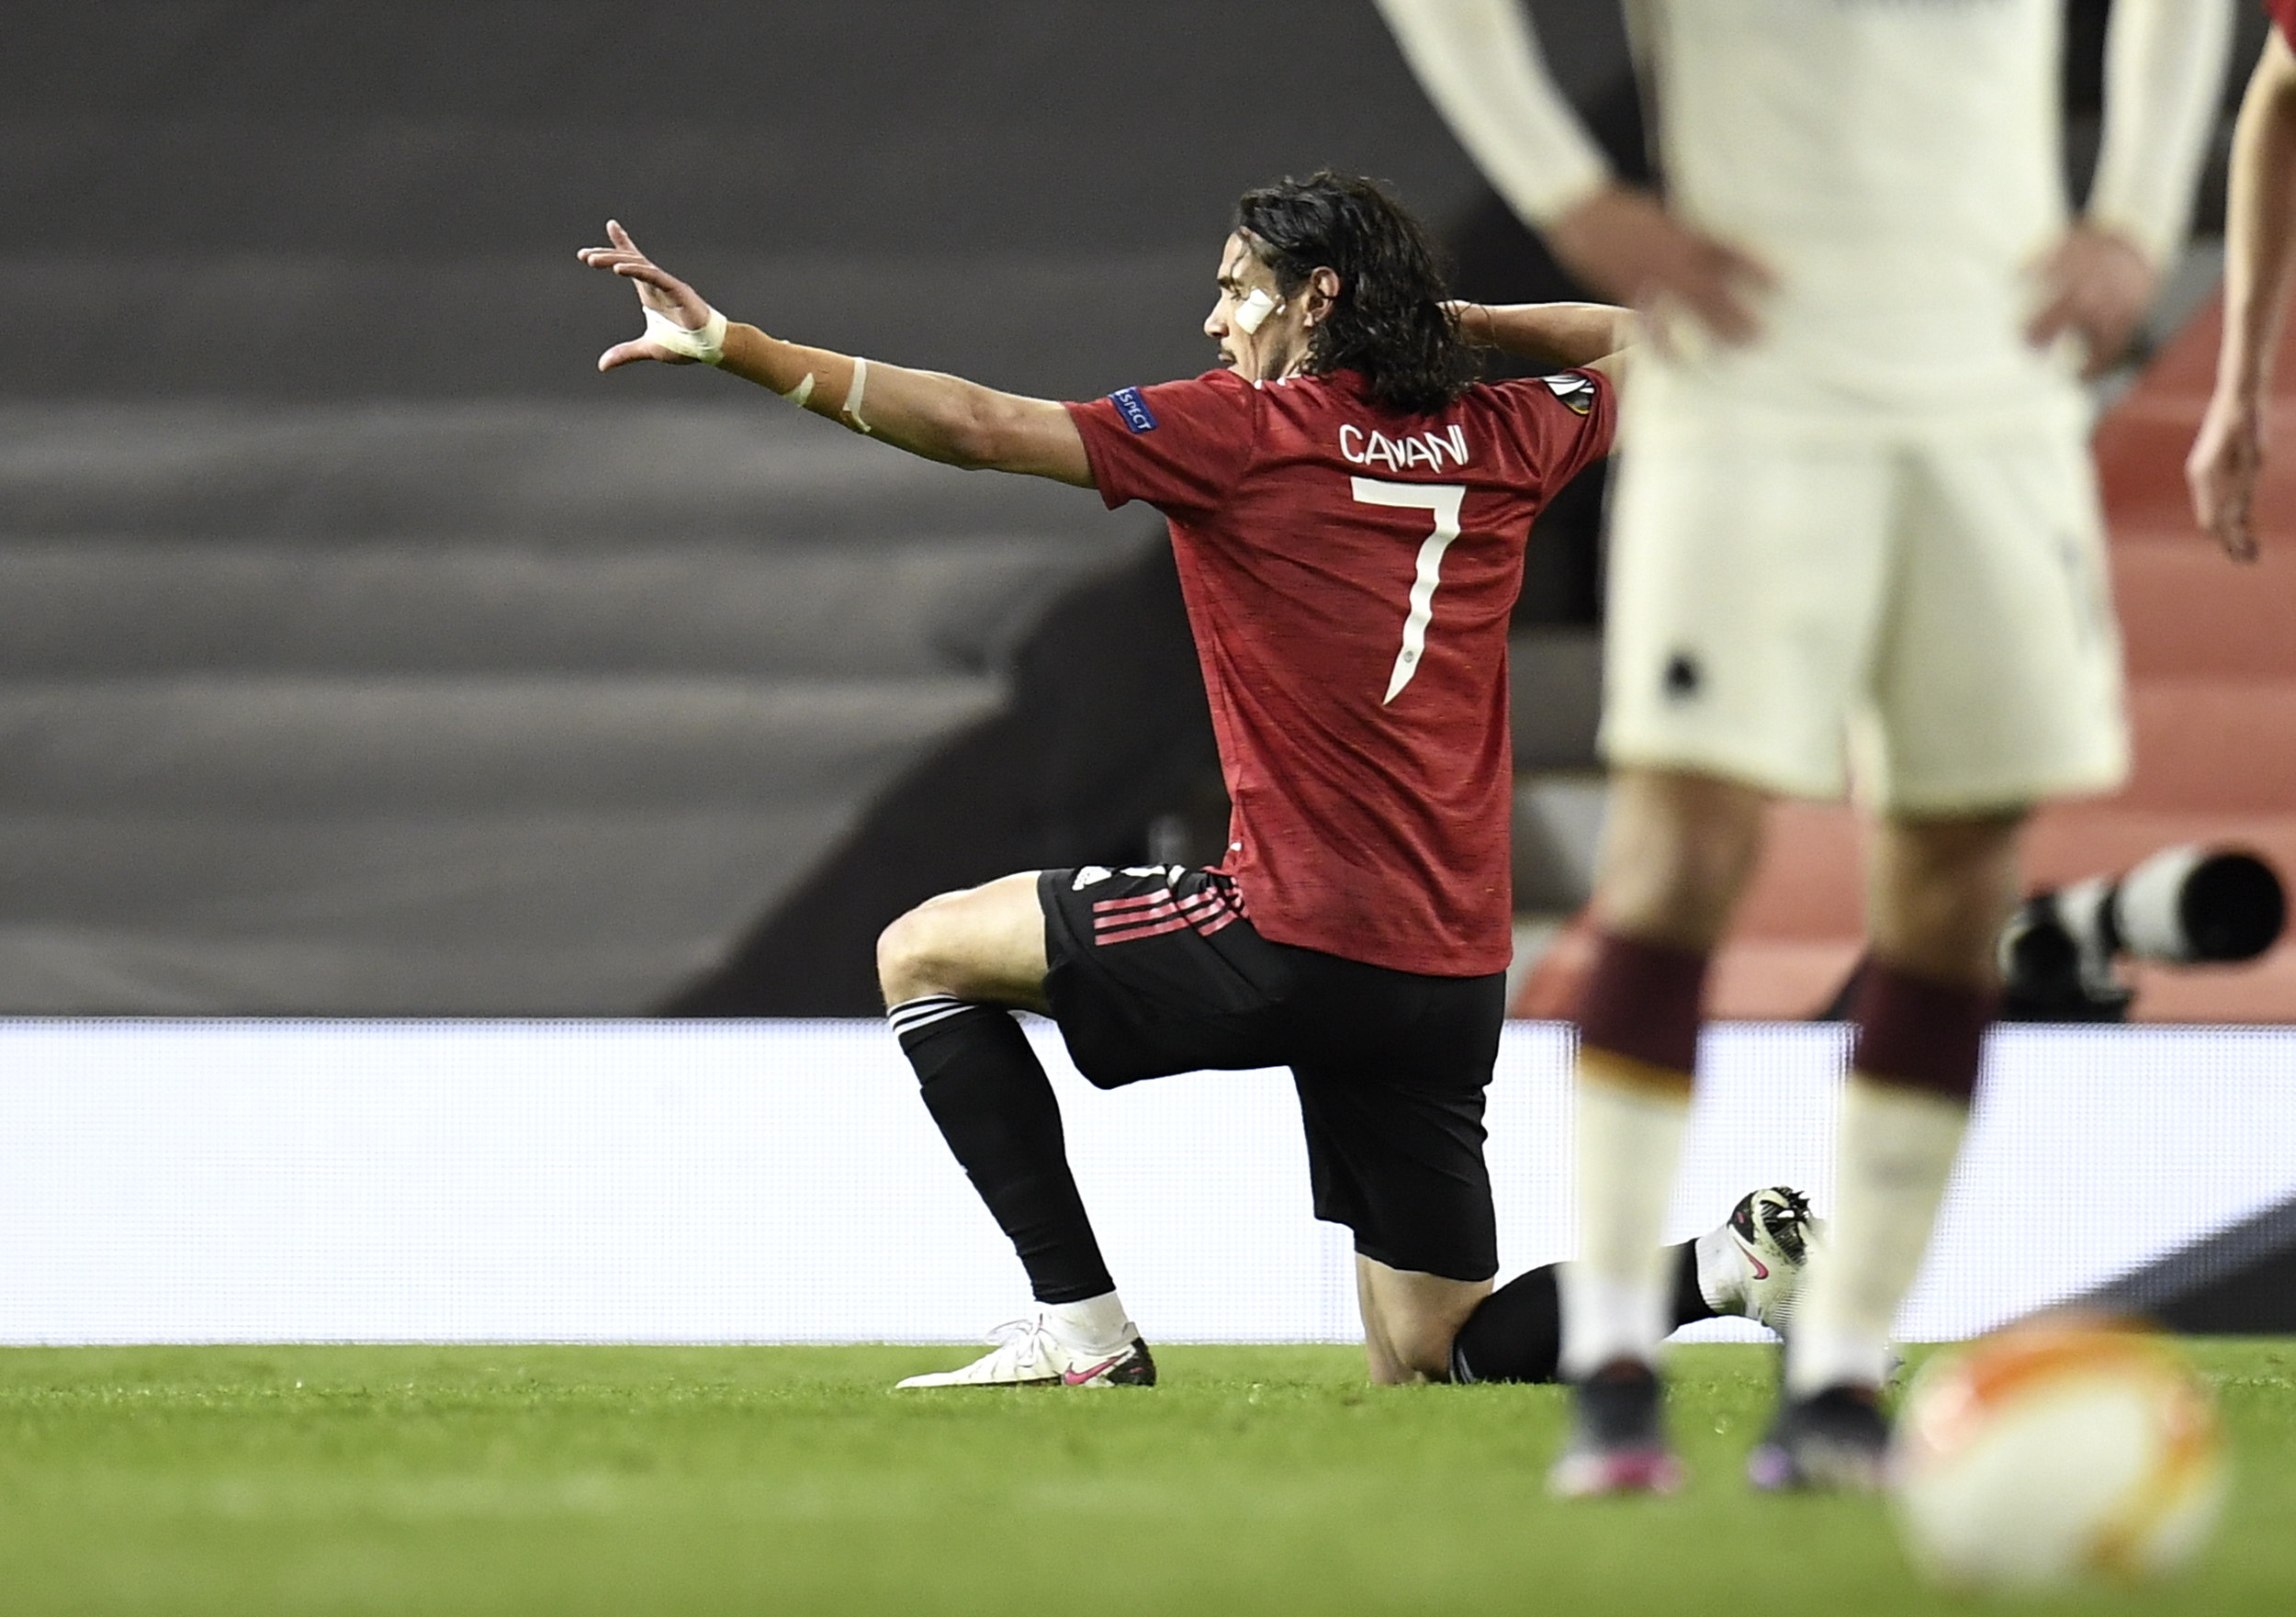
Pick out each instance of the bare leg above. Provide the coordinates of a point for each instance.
(1379, 1354)
(1939, 890)
(985, 944)
(1409, 1319)
(1677, 851)
(1676, 855)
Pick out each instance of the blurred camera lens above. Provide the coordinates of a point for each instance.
(2189, 904)
(2182, 906)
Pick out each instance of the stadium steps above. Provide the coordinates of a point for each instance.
(362, 649)
(230, 323)
(875, 126)
(729, 464)
(478, 707)
(924, 608)
(2180, 622)
(2212, 705)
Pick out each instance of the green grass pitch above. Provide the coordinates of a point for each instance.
(628, 1480)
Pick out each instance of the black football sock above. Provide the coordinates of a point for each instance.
(988, 1093)
(1690, 1298)
(1516, 1333)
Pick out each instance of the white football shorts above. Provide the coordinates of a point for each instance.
(1917, 606)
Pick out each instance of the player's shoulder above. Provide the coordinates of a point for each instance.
(1218, 402)
(1537, 412)
(1219, 391)
(1219, 382)
(1580, 392)
(1556, 422)
(1222, 380)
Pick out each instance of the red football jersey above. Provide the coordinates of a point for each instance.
(1349, 572)
(2284, 13)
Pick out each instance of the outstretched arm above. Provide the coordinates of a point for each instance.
(1583, 336)
(2260, 274)
(939, 417)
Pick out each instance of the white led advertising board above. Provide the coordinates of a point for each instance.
(220, 1181)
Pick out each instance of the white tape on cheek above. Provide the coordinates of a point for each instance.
(800, 393)
(852, 411)
(707, 345)
(1252, 313)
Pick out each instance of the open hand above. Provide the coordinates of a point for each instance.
(2096, 282)
(1621, 242)
(658, 291)
(2221, 472)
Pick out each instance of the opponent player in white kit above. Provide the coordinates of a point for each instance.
(1855, 539)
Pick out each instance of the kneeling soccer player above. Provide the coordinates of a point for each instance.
(1348, 508)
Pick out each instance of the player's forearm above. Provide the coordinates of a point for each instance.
(2260, 229)
(2164, 71)
(1479, 64)
(928, 413)
(1548, 334)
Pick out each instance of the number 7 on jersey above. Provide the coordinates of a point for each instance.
(1443, 502)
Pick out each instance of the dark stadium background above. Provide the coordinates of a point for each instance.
(365, 654)
(362, 651)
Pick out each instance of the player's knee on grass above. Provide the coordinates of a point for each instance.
(1416, 1316)
(1422, 1347)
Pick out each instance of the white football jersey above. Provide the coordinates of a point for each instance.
(1894, 163)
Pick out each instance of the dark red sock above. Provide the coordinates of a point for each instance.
(1919, 1032)
(1643, 1001)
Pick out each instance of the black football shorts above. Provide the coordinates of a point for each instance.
(1157, 970)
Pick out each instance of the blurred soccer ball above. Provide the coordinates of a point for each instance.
(2048, 1456)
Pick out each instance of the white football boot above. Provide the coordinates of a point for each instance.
(1752, 1266)
(1028, 1354)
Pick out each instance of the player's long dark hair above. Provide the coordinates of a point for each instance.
(1389, 321)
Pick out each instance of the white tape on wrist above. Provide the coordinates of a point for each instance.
(707, 345)
(851, 411)
(800, 393)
